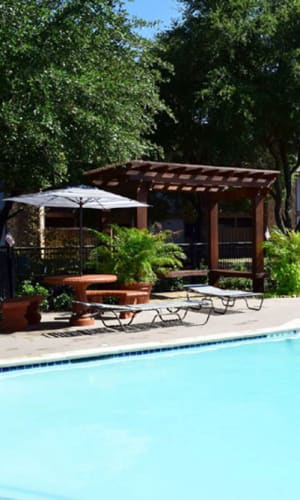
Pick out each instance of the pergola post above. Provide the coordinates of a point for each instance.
(213, 239)
(258, 239)
(142, 213)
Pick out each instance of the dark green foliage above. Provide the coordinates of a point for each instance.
(62, 302)
(78, 87)
(235, 89)
(168, 285)
(235, 283)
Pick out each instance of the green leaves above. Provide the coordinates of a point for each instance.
(236, 87)
(136, 255)
(78, 87)
(283, 261)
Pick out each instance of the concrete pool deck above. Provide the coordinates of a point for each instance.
(55, 340)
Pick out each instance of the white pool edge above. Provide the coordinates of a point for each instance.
(142, 347)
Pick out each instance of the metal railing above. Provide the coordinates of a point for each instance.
(20, 263)
(232, 255)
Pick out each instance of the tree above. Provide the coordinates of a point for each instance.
(236, 88)
(78, 87)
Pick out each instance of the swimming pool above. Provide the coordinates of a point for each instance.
(217, 422)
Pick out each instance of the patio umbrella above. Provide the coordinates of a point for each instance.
(77, 197)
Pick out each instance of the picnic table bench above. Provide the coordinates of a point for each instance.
(124, 296)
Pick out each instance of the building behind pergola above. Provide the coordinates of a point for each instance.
(216, 184)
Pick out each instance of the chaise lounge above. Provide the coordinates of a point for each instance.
(227, 297)
(164, 310)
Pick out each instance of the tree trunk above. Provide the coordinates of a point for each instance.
(277, 195)
(282, 194)
(287, 175)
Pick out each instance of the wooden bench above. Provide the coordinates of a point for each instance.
(125, 297)
(183, 273)
(232, 273)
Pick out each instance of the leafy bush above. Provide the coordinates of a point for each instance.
(283, 262)
(27, 287)
(169, 285)
(62, 302)
(232, 283)
(136, 255)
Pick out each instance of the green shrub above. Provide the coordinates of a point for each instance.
(27, 287)
(136, 255)
(232, 282)
(169, 285)
(62, 302)
(283, 262)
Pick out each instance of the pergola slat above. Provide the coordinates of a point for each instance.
(174, 174)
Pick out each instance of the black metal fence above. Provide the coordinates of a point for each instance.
(20, 263)
(7, 272)
(232, 255)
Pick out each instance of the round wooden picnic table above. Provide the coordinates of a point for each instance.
(80, 283)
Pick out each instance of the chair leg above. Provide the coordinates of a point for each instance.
(169, 312)
(200, 309)
(255, 308)
(226, 302)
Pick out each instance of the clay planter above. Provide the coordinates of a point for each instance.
(14, 314)
(33, 314)
(20, 312)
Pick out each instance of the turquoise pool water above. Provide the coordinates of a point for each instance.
(208, 423)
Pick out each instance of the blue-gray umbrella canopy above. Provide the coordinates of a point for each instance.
(77, 197)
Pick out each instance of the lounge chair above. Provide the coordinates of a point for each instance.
(227, 297)
(163, 310)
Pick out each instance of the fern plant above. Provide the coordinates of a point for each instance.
(283, 261)
(136, 255)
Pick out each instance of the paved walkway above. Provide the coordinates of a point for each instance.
(55, 340)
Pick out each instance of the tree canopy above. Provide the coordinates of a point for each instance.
(235, 91)
(78, 87)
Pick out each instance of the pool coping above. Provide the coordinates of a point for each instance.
(140, 348)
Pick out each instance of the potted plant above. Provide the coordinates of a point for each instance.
(136, 256)
(24, 308)
(38, 299)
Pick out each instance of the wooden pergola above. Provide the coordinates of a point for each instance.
(215, 183)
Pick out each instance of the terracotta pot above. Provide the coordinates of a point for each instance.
(33, 314)
(14, 314)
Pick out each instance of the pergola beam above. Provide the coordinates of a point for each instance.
(172, 179)
(176, 174)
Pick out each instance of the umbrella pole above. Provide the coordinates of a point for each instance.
(80, 238)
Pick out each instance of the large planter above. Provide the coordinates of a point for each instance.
(33, 314)
(14, 314)
(20, 312)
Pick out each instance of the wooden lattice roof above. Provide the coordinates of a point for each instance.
(163, 176)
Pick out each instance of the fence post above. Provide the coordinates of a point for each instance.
(11, 272)
(258, 238)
